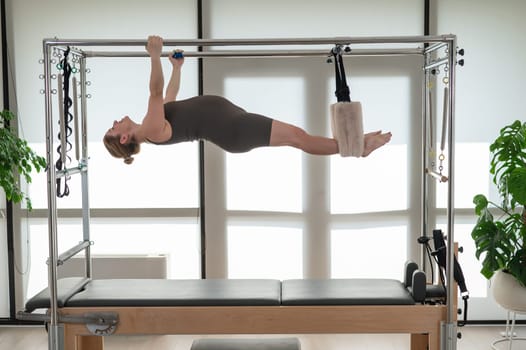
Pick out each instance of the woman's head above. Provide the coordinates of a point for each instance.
(119, 140)
(121, 150)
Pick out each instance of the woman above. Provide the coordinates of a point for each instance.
(212, 118)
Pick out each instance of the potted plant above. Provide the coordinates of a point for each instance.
(501, 237)
(16, 158)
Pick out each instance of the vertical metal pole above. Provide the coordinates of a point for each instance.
(202, 212)
(451, 332)
(84, 162)
(53, 333)
(424, 183)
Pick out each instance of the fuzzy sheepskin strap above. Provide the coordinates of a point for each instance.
(347, 128)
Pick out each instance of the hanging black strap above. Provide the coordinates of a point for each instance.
(68, 117)
(465, 298)
(343, 94)
(458, 275)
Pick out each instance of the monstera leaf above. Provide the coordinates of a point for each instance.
(509, 155)
(500, 242)
(517, 185)
(491, 239)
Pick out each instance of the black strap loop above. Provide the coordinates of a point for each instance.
(465, 297)
(68, 117)
(343, 94)
(440, 257)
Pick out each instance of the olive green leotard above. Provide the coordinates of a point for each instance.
(216, 119)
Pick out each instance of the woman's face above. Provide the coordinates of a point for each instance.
(119, 127)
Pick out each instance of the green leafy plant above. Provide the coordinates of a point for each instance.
(501, 239)
(16, 159)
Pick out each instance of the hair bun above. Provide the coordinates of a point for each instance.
(128, 160)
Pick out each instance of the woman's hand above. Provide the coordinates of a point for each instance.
(176, 62)
(154, 45)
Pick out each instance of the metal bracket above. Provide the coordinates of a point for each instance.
(106, 322)
(98, 323)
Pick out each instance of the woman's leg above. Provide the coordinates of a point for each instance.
(283, 134)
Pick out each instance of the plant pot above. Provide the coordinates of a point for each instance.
(508, 292)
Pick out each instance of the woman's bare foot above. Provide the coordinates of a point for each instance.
(374, 140)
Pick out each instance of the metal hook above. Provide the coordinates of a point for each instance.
(445, 79)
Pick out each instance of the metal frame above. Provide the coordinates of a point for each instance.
(360, 46)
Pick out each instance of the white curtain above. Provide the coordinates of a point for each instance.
(489, 95)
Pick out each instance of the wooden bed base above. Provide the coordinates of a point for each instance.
(423, 322)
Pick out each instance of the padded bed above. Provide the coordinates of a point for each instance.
(241, 306)
(79, 292)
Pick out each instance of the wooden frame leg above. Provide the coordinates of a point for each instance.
(419, 341)
(90, 343)
(74, 341)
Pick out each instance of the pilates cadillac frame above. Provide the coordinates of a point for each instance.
(419, 320)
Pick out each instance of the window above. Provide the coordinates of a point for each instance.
(472, 163)
(379, 182)
(375, 184)
(266, 178)
(176, 238)
(265, 252)
(371, 252)
(160, 178)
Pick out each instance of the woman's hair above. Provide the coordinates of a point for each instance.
(119, 150)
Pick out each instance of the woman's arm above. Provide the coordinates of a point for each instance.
(154, 47)
(154, 123)
(175, 79)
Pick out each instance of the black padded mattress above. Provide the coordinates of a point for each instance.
(79, 292)
(159, 292)
(345, 292)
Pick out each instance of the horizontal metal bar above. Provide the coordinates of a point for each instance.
(68, 254)
(72, 50)
(437, 63)
(103, 319)
(438, 176)
(262, 53)
(38, 317)
(245, 42)
(232, 53)
(70, 171)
